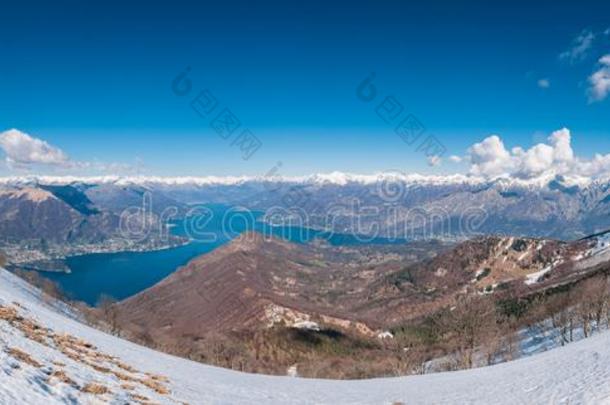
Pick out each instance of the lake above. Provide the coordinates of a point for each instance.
(121, 275)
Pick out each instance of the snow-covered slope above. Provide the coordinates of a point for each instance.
(46, 357)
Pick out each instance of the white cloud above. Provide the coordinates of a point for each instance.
(434, 161)
(580, 47)
(25, 152)
(561, 141)
(535, 161)
(22, 150)
(456, 159)
(600, 81)
(544, 83)
(490, 158)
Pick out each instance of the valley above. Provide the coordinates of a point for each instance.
(260, 304)
(267, 289)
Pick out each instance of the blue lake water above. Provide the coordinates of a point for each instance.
(121, 275)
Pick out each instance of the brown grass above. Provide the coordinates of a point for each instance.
(30, 328)
(123, 376)
(81, 352)
(155, 386)
(99, 368)
(9, 314)
(104, 356)
(74, 344)
(142, 400)
(138, 397)
(23, 357)
(62, 377)
(125, 367)
(96, 389)
(34, 331)
(157, 377)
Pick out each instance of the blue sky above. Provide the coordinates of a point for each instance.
(95, 80)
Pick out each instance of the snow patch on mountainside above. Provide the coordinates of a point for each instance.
(27, 193)
(533, 278)
(602, 245)
(575, 374)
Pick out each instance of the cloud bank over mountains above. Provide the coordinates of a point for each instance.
(490, 158)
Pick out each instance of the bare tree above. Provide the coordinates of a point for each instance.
(110, 313)
(504, 340)
(50, 290)
(471, 324)
(595, 299)
(563, 314)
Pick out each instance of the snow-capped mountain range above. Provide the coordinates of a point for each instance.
(387, 204)
(332, 178)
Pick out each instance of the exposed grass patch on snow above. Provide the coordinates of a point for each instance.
(65, 357)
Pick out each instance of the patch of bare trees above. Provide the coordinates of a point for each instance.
(476, 332)
(109, 313)
(470, 325)
(50, 290)
(584, 307)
